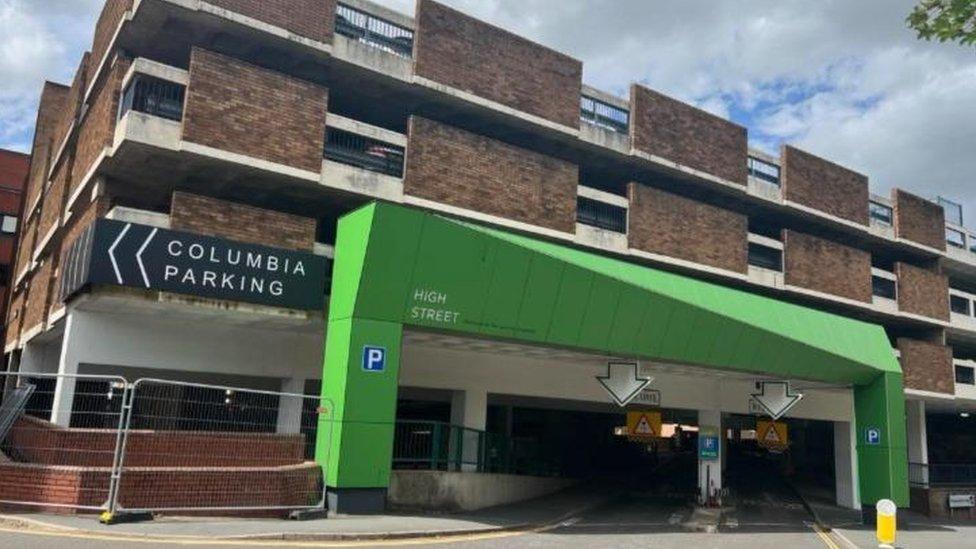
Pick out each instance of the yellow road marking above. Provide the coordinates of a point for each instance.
(824, 536)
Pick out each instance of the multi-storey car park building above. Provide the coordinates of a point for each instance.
(487, 231)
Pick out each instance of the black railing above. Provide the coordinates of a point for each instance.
(596, 112)
(372, 30)
(601, 215)
(942, 474)
(881, 213)
(765, 257)
(154, 96)
(762, 170)
(363, 152)
(884, 287)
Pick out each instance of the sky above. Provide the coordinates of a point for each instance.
(844, 79)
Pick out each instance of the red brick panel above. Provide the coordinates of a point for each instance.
(38, 293)
(53, 201)
(15, 317)
(32, 483)
(449, 165)
(826, 266)
(313, 19)
(204, 215)
(54, 97)
(919, 220)
(25, 249)
(667, 224)
(108, 23)
(238, 107)
(97, 128)
(665, 127)
(462, 52)
(69, 114)
(927, 366)
(822, 185)
(922, 291)
(13, 169)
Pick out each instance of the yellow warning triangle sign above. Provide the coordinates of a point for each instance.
(643, 427)
(771, 435)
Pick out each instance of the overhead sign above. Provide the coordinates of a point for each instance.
(775, 398)
(623, 382)
(708, 443)
(872, 436)
(772, 435)
(374, 358)
(140, 256)
(643, 425)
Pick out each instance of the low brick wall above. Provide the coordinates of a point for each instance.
(56, 485)
(37, 441)
(934, 502)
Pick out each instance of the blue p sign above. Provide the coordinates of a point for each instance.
(873, 436)
(374, 358)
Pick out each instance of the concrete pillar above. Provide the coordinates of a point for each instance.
(918, 447)
(290, 407)
(845, 465)
(710, 469)
(469, 408)
(31, 359)
(71, 348)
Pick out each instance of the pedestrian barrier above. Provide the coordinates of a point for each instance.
(98, 443)
(59, 451)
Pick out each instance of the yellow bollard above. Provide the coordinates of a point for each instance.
(887, 523)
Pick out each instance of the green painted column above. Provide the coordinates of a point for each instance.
(882, 451)
(355, 445)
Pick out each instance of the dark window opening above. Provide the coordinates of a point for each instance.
(960, 305)
(765, 257)
(766, 171)
(884, 287)
(154, 96)
(373, 31)
(966, 375)
(363, 152)
(881, 213)
(602, 215)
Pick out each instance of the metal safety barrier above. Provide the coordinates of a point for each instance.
(62, 443)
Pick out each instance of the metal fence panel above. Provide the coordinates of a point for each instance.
(59, 450)
(209, 448)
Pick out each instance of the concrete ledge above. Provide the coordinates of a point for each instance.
(450, 491)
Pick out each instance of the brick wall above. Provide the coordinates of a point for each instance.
(663, 223)
(13, 172)
(927, 366)
(53, 485)
(53, 201)
(53, 99)
(108, 23)
(38, 293)
(826, 266)
(234, 106)
(97, 128)
(676, 131)
(822, 185)
(457, 50)
(209, 216)
(922, 291)
(72, 105)
(919, 220)
(449, 165)
(313, 19)
(15, 317)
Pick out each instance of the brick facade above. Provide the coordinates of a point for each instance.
(826, 266)
(922, 291)
(105, 28)
(822, 185)
(241, 108)
(313, 19)
(462, 52)
(209, 216)
(97, 128)
(54, 97)
(470, 171)
(38, 294)
(667, 224)
(919, 220)
(676, 131)
(927, 366)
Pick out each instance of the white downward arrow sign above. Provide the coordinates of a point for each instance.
(775, 397)
(622, 381)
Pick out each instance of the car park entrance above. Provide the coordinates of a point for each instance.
(515, 317)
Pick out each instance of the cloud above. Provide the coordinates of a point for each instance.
(843, 79)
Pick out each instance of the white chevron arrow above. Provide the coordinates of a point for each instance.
(142, 266)
(775, 398)
(111, 252)
(622, 382)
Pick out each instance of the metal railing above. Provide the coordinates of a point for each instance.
(596, 112)
(364, 152)
(601, 215)
(765, 257)
(154, 96)
(764, 171)
(373, 31)
(942, 474)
